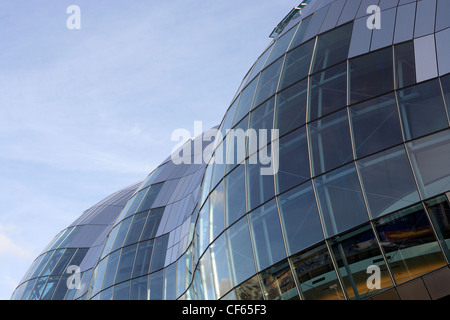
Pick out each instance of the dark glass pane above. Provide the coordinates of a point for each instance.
(267, 237)
(241, 253)
(136, 228)
(281, 45)
(388, 181)
(304, 24)
(260, 119)
(245, 101)
(405, 64)
(155, 281)
(122, 291)
(51, 263)
(126, 261)
(139, 289)
(410, 246)
(332, 47)
(235, 195)
(330, 142)
(375, 125)
(61, 289)
(297, 63)
(371, 75)
(290, 112)
(328, 91)
(63, 262)
(355, 252)
(143, 257)
(249, 290)
(445, 81)
(217, 207)
(293, 160)
(300, 218)
(268, 82)
(439, 210)
(50, 287)
(159, 253)
(278, 283)
(152, 224)
(316, 275)
(340, 200)
(422, 109)
(150, 197)
(122, 234)
(136, 202)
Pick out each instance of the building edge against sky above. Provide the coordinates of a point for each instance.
(363, 179)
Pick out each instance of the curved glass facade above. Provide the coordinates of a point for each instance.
(362, 175)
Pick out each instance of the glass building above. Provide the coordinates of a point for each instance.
(362, 180)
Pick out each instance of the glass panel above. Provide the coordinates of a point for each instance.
(249, 290)
(330, 142)
(300, 218)
(430, 157)
(245, 101)
(217, 207)
(122, 291)
(383, 37)
(240, 249)
(340, 200)
(388, 182)
(371, 75)
(52, 261)
(297, 63)
(268, 82)
(404, 27)
(170, 274)
(155, 281)
(61, 289)
(181, 275)
(316, 275)
(293, 160)
(150, 197)
(139, 289)
(136, 228)
(267, 236)
(143, 257)
(439, 210)
(126, 263)
(422, 109)
(159, 253)
(260, 63)
(328, 91)
(425, 18)
(137, 201)
(29, 288)
(425, 55)
(290, 112)
(235, 148)
(375, 125)
(111, 268)
(152, 224)
(278, 283)
(405, 65)
(361, 38)
(105, 295)
(50, 287)
(332, 47)
(409, 243)
(207, 276)
(110, 241)
(304, 24)
(355, 252)
(220, 266)
(38, 288)
(281, 45)
(63, 262)
(219, 162)
(228, 119)
(442, 50)
(122, 234)
(260, 119)
(203, 223)
(235, 195)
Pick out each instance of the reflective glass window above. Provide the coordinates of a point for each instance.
(110, 241)
(220, 266)
(143, 257)
(29, 288)
(136, 228)
(245, 101)
(425, 54)
(304, 24)
(159, 253)
(217, 207)
(330, 142)
(384, 36)
(422, 109)
(267, 236)
(152, 224)
(355, 252)
(122, 234)
(52, 261)
(361, 38)
(63, 262)
(332, 47)
(404, 28)
(240, 250)
(136, 202)
(445, 81)
(235, 195)
(439, 211)
(293, 160)
(300, 218)
(126, 261)
(260, 119)
(122, 291)
(375, 125)
(43, 261)
(139, 288)
(249, 290)
(219, 163)
(111, 268)
(207, 276)
(49, 288)
(328, 91)
(388, 181)
(430, 157)
(297, 63)
(181, 275)
(203, 224)
(105, 294)
(155, 283)
(281, 45)
(228, 119)
(235, 148)
(409, 244)
(340, 200)
(150, 197)
(316, 275)
(290, 112)
(268, 82)
(405, 64)
(38, 288)
(278, 283)
(170, 274)
(371, 75)
(61, 289)
(442, 49)
(99, 273)
(425, 18)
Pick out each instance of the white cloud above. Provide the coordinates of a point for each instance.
(10, 248)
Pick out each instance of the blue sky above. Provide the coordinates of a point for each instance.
(84, 113)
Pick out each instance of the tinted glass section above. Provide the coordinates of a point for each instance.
(249, 290)
(111, 269)
(278, 282)
(220, 266)
(439, 211)
(126, 261)
(281, 45)
(235, 195)
(268, 82)
(245, 101)
(405, 65)
(159, 253)
(297, 63)
(304, 24)
(139, 288)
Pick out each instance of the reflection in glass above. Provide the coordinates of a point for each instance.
(249, 290)
(155, 283)
(297, 63)
(439, 211)
(126, 263)
(220, 266)
(278, 283)
(122, 291)
(143, 257)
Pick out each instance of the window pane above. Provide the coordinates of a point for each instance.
(297, 63)
(249, 290)
(445, 81)
(267, 236)
(304, 24)
(150, 197)
(207, 281)
(316, 275)
(159, 253)
(422, 109)
(355, 253)
(235, 195)
(50, 287)
(409, 243)
(388, 182)
(217, 207)
(328, 91)
(235, 146)
(240, 249)
(139, 289)
(293, 160)
(152, 224)
(122, 234)
(330, 142)
(170, 274)
(268, 82)
(375, 125)
(281, 45)
(136, 228)
(126, 261)
(122, 291)
(340, 200)
(332, 47)
(137, 201)
(245, 102)
(371, 75)
(430, 157)
(260, 119)
(300, 218)
(439, 210)
(405, 64)
(155, 281)
(220, 266)
(278, 283)
(111, 269)
(143, 257)
(203, 223)
(290, 112)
